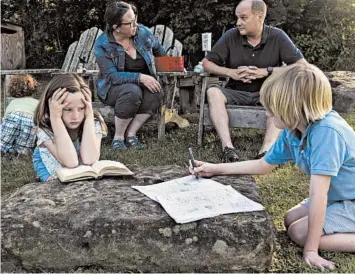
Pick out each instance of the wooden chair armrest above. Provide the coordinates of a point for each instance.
(29, 71)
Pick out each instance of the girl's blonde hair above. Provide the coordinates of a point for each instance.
(298, 94)
(73, 83)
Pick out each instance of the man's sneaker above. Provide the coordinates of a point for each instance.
(133, 141)
(230, 155)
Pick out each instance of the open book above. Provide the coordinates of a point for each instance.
(97, 170)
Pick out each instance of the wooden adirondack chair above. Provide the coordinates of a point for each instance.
(79, 58)
(166, 37)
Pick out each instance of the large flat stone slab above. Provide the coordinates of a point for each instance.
(108, 225)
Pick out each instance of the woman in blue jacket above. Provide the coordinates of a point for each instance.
(125, 56)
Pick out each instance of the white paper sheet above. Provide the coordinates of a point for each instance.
(188, 199)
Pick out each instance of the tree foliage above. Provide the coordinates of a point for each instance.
(323, 29)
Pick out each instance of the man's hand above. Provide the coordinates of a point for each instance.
(150, 82)
(256, 73)
(313, 259)
(239, 74)
(247, 73)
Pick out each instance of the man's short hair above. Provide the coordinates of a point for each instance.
(257, 6)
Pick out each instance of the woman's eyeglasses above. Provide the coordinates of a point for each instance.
(131, 24)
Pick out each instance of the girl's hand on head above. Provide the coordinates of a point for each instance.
(202, 169)
(88, 103)
(313, 259)
(56, 103)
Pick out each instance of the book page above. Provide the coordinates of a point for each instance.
(65, 174)
(189, 199)
(111, 167)
(184, 184)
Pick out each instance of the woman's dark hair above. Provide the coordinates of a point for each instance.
(114, 13)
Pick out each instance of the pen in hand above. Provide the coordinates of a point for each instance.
(192, 159)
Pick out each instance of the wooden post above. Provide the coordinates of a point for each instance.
(161, 125)
(12, 47)
(202, 103)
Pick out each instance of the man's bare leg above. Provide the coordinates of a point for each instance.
(219, 116)
(271, 134)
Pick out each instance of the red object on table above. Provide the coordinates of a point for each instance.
(169, 63)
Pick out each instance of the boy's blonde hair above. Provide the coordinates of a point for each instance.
(298, 94)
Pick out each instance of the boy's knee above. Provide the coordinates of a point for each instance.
(288, 219)
(297, 233)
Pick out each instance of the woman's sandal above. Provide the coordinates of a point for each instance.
(118, 145)
(132, 141)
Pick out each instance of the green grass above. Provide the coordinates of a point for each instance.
(279, 190)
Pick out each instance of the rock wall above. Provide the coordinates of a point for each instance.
(343, 87)
(106, 224)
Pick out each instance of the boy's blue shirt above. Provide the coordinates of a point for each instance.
(326, 148)
(110, 57)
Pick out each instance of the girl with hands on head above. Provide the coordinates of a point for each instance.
(69, 132)
(298, 99)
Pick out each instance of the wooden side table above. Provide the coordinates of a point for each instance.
(190, 84)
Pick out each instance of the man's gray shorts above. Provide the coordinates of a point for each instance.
(238, 97)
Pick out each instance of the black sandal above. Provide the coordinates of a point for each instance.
(118, 145)
(132, 141)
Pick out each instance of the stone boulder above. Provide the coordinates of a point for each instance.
(107, 225)
(343, 87)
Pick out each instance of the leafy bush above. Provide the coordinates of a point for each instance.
(323, 29)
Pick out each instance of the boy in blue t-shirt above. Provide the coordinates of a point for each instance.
(320, 142)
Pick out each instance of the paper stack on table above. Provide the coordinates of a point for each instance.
(188, 199)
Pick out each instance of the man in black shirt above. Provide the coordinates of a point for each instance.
(247, 54)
